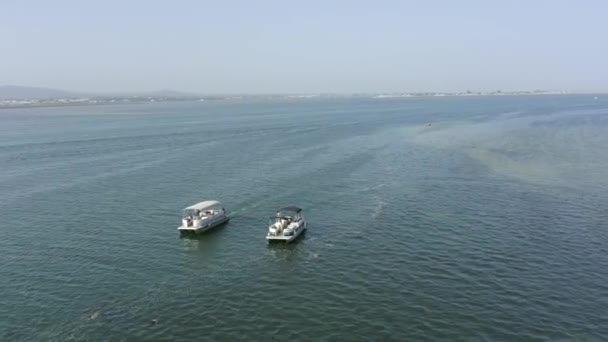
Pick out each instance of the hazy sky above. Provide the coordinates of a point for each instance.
(304, 46)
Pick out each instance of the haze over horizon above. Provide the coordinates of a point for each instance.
(313, 47)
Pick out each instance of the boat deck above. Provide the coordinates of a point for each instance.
(285, 238)
(204, 228)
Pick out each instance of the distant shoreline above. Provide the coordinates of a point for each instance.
(49, 103)
(82, 104)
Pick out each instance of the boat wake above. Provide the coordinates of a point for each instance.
(380, 204)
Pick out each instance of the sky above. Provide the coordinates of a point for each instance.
(305, 46)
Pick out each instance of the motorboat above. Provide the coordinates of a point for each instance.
(203, 216)
(286, 225)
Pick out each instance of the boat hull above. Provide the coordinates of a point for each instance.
(198, 230)
(283, 238)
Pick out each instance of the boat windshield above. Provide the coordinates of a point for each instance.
(285, 216)
(194, 213)
(189, 213)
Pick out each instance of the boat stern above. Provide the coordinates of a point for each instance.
(186, 230)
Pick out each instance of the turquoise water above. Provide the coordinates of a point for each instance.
(491, 224)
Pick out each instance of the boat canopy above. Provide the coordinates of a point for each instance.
(290, 208)
(203, 205)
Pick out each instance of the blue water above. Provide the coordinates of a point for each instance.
(490, 224)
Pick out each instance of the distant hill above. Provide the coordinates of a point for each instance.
(171, 93)
(158, 93)
(19, 92)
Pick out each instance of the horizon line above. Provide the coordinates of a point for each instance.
(376, 92)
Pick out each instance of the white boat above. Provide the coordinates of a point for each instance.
(202, 217)
(286, 225)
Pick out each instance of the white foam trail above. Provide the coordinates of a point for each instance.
(380, 204)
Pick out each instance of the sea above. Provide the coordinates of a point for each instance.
(429, 219)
